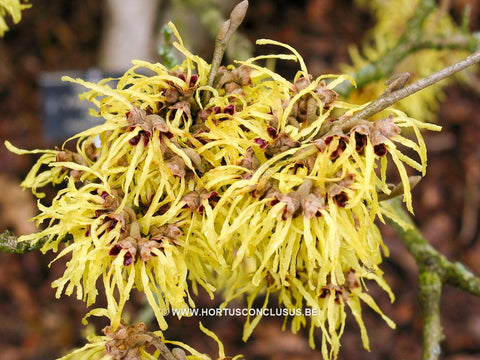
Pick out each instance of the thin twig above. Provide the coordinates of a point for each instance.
(226, 31)
(145, 338)
(153, 339)
(385, 66)
(388, 99)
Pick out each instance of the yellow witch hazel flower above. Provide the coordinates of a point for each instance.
(254, 185)
(128, 210)
(296, 213)
(12, 8)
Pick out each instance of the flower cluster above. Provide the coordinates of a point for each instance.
(254, 186)
(131, 343)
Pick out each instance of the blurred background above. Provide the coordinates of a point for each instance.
(91, 38)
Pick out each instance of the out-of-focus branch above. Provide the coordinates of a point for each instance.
(9, 243)
(413, 40)
(430, 292)
(434, 271)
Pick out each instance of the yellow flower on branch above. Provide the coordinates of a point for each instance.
(266, 189)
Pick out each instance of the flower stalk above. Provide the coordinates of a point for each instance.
(389, 98)
(226, 31)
